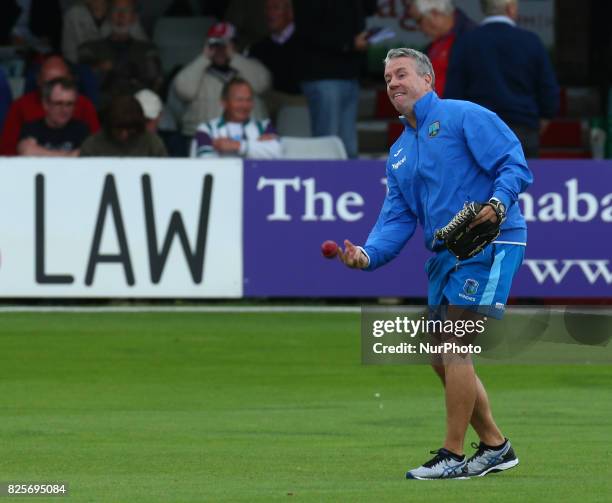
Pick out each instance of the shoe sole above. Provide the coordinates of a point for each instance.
(412, 477)
(499, 468)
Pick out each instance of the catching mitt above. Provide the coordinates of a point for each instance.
(463, 242)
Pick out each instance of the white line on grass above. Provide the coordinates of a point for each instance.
(180, 309)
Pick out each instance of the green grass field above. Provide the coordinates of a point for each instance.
(176, 407)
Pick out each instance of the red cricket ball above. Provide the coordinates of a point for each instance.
(329, 249)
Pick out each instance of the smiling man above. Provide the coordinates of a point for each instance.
(236, 133)
(58, 134)
(451, 152)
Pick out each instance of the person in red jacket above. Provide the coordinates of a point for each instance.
(29, 107)
(442, 23)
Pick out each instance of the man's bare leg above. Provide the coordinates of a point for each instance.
(482, 417)
(460, 395)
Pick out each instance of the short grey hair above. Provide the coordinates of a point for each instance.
(444, 6)
(495, 7)
(422, 62)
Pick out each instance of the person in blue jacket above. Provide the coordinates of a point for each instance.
(451, 152)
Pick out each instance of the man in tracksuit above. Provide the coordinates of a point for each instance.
(451, 152)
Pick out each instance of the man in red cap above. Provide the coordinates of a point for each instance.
(200, 83)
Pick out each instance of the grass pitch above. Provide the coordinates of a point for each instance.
(175, 407)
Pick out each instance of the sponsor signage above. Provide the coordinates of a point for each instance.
(120, 228)
(154, 228)
(292, 207)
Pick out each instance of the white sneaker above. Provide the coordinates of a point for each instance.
(442, 466)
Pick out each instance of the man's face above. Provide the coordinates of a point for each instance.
(219, 53)
(239, 103)
(278, 15)
(60, 106)
(123, 16)
(431, 23)
(404, 86)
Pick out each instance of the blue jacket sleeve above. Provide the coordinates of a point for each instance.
(498, 152)
(394, 227)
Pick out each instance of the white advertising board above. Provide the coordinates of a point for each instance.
(128, 228)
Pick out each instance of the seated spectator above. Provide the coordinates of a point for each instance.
(57, 134)
(235, 133)
(124, 133)
(278, 52)
(152, 108)
(87, 21)
(122, 63)
(87, 83)
(441, 22)
(6, 96)
(200, 83)
(29, 107)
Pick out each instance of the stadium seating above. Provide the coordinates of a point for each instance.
(323, 147)
(294, 121)
(180, 39)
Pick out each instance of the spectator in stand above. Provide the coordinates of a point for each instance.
(87, 21)
(152, 108)
(57, 134)
(124, 133)
(278, 52)
(200, 83)
(507, 70)
(332, 40)
(6, 96)
(122, 63)
(235, 133)
(29, 107)
(440, 21)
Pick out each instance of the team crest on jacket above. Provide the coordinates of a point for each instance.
(470, 287)
(434, 127)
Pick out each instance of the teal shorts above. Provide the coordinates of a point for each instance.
(481, 283)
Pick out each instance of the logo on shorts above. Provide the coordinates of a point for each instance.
(434, 128)
(470, 287)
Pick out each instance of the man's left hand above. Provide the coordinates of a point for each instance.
(267, 137)
(226, 145)
(485, 214)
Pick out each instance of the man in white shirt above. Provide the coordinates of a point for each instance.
(235, 133)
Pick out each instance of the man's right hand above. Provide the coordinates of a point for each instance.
(352, 256)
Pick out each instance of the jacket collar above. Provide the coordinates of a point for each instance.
(421, 108)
